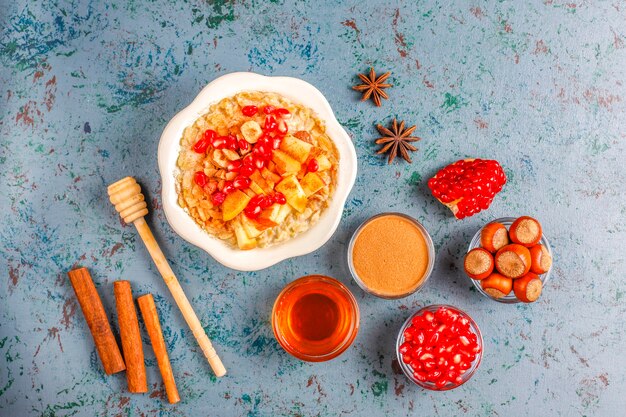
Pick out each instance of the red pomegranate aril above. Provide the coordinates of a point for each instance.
(276, 143)
(420, 376)
(405, 347)
(415, 365)
(202, 145)
(284, 113)
(231, 143)
(426, 357)
(252, 212)
(210, 134)
(200, 178)
(219, 142)
(429, 316)
(434, 339)
(267, 201)
(429, 366)
(250, 110)
(313, 165)
(282, 127)
(406, 358)
(280, 198)
(218, 198)
(241, 182)
(234, 166)
(464, 340)
(259, 163)
(243, 144)
(441, 383)
(269, 109)
(420, 337)
(270, 123)
(247, 170)
(228, 187)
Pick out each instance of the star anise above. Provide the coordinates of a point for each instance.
(373, 86)
(397, 140)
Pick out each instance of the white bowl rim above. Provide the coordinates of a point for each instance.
(296, 90)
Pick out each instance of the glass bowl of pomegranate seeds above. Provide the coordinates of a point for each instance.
(439, 347)
(519, 269)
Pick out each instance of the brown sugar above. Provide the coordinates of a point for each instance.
(390, 256)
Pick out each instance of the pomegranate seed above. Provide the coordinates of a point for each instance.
(247, 170)
(282, 127)
(270, 123)
(259, 163)
(234, 166)
(420, 376)
(231, 143)
(442, 383)
(267, 201)
(406, 358)
(269, 109)
(241, 182)
(219, 142)
(218, 198)
(200, 178)
(280, 198)
(313, 165)
(228, 187)
(284, 113)
(250, 110)
(404, 347)
(276, 143)
(210, 134)
(252, 211)
(243, 145)
(202, 145)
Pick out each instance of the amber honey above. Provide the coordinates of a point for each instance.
(315, 318)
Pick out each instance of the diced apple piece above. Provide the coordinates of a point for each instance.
(312, 183)
(270, 176)
(323, 163)
(251, 131)
(267, 216)
(284, 211)
(285, 163)
(259, 180)
(234, 204)
(248, 225)
(296, 148)
(256, 188)
(243, 240)
(293, 192)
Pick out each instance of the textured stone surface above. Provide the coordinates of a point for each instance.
(87, 87)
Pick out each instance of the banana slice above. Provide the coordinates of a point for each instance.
(251, 131)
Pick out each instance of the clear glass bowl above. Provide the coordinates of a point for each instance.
(475, 243)
(430, 385)
(429, 244)
(323, 348)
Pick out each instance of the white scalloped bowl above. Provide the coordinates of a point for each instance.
(252, 260)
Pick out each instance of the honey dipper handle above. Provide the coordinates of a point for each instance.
(179, 296)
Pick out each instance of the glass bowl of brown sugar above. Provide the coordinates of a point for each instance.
(391, 255)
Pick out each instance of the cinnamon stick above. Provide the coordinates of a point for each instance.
(131, 339)
(151, 320)
(93, 310)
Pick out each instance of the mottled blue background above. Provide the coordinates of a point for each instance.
(87, 87)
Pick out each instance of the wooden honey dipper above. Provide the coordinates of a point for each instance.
(129, 202)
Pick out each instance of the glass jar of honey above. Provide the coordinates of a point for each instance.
(315, 318)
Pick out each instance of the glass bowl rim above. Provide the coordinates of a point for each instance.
(429, 244)
(429, 385)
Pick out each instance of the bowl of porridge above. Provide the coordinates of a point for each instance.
(256, 170)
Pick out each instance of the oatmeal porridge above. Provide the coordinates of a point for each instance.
(257, 169)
